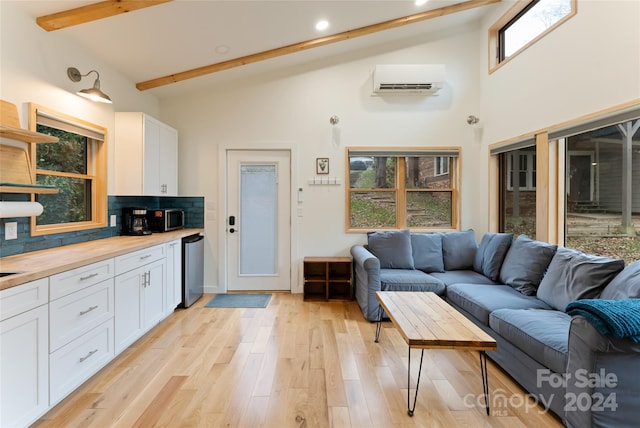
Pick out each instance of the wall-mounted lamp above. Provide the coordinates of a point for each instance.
(473, 120)
(94, 93)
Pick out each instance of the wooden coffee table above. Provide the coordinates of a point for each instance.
(426, 321)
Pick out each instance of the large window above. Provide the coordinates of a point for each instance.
(575, 184)
(602, 207)
(524, 24)
(76, 166)
(391, 189)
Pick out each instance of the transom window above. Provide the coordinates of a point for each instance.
(524, 24)
(76, 166)
(395, 189)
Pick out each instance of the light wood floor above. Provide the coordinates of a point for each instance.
(292, 364)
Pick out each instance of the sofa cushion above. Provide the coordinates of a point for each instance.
(626, 285)
(459, 249)
(574, 275)
(525, 264)
(481, 299)
(392, 248)
(462, 276)
(427, 252)
(542, 334)
(491, 252)
(409, 280)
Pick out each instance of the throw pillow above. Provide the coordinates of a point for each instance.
(574, 275)
(490, 255)
(427, 252)
(459, 249)
(626, 285)
(392, 248)
(525, 264)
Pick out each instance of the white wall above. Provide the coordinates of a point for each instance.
(34, 69)
(588, 64)
(294, 110)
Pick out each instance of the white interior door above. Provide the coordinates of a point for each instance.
(258, 220)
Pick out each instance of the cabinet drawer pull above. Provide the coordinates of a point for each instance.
(84, 278)
(88, 355)
(145, 257)
(91, 308)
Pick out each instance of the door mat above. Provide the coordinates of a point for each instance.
(239, 301)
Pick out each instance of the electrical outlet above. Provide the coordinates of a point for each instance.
(112, 220)
(10, 230)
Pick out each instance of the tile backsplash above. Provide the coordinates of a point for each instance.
(193, 207)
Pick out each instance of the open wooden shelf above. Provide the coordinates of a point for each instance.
(327, 278)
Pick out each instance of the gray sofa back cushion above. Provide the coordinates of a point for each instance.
(491, 252)
(392, 248)
(626, 285)
(525, 264)
(427, 252)
(574, 275)
(459, 249)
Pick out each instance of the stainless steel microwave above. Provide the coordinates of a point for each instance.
(165, 219)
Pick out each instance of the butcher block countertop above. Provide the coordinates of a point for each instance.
(43, 263)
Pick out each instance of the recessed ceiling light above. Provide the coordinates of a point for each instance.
(421, 2)
(222, 49)
(322, 25)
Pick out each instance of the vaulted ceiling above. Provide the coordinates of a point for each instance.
(185, 45)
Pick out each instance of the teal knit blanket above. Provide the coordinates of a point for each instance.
(617, 318)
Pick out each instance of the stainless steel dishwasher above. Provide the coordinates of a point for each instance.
(192, 269)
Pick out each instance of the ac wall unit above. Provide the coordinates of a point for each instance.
(426, 79)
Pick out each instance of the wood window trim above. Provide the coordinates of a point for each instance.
(455, 167)
(99, 204)
(549, 172)
(494, 33)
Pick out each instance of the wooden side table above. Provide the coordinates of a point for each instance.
(328, 278)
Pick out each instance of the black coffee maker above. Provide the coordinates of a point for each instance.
(134, 221)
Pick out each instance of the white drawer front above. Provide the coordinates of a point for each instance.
(75, 362)
(139, 258)
(21, 298)
(77, 313)
(67, 282)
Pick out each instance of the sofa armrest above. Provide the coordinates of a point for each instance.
(603, 381)
(367, 280)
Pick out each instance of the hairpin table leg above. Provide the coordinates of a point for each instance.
(485, 379)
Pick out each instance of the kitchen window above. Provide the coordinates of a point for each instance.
(76, 166)
(403, 188)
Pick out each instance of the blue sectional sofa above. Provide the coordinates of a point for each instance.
(517, 291)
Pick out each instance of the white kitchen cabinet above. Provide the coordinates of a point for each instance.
(174, 275)
(146, 156)
(81, 311)
(80, 359)
(24, 353)
(139, 294)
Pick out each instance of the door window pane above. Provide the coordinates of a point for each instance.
(258, 220)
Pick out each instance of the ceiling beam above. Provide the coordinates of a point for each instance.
(309, 44)
(92, 12)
